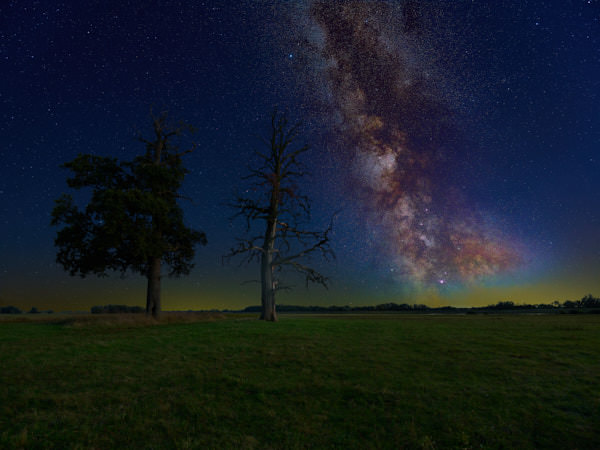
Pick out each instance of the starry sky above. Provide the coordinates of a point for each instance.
(457, 142)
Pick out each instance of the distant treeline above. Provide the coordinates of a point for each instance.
(15, 310)
(105, 309)
(117, 309)
(335, 308)
(587, 302)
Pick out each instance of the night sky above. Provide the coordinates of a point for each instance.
(458, 140)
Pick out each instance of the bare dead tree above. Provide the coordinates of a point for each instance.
(276, 215)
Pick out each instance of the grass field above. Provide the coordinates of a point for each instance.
(383, 381)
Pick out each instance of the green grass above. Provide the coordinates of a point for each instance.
(390, 381)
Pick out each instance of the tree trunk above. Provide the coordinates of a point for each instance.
(153, 291)
(266, 267)
(267, 289)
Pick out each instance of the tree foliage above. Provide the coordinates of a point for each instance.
(133, 221)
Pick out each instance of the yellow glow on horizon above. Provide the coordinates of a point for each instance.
(75, 294)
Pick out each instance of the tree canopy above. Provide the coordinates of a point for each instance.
(133, 221)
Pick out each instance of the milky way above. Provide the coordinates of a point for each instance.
(394, 129)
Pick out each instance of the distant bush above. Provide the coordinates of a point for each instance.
(503, 305)
(10, 310)
(33, 310)
(589, 302)
(117, 309)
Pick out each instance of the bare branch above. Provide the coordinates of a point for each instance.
(312, 275)
(273, 201)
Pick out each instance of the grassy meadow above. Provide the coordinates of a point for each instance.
(378, 381)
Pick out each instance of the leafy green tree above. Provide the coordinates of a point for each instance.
(132, 221)
(276, 215)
